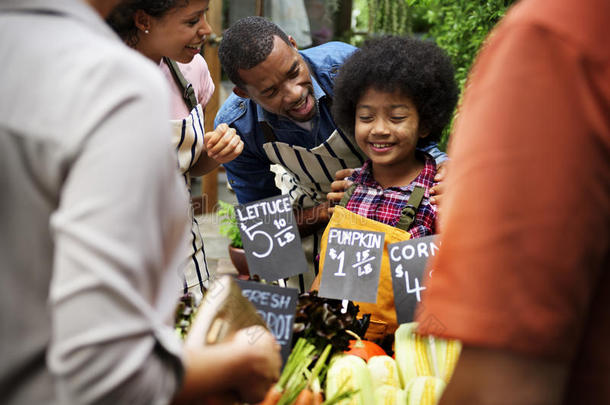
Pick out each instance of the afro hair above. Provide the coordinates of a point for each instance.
(417, 68)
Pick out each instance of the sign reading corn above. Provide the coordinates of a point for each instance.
(408, 261)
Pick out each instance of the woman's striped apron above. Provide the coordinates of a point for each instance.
(306, 179)
(187, 138)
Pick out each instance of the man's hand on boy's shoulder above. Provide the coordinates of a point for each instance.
(338, 188)
(309, 220)
(437, 190)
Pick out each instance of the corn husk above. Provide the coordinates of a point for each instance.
(383, 371)
(411, 350)
(390, 395)
(425, 390)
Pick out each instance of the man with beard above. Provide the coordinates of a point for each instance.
(93, 222)
(281, 109)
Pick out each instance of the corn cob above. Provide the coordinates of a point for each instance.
(425, 391)
(412, 358)
(350, 372)
(447, 353)
(383, 371)
(390, 395)
(401, 397)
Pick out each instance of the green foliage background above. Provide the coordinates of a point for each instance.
(458, 26)
(228, 223)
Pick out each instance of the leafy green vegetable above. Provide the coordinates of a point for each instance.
(321, 321)
(228, 223)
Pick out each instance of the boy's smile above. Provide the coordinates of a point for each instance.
(387, 131)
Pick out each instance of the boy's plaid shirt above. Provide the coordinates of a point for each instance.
(385, 205)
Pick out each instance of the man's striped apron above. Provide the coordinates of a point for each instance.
(306, 179)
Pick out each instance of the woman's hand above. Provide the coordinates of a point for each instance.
(239, 370)
(338, 187)
(261, 365)
(223, 144)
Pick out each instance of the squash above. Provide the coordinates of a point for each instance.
(364, 349)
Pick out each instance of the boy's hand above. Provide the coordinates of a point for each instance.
(338, 187)
(223, 144)
(437, 190)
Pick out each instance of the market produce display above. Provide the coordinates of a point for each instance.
(330, 362)
(417, 376)
(363, 374)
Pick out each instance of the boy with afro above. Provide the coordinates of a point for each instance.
(392, 95)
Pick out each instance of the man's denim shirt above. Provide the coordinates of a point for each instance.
(249, 174)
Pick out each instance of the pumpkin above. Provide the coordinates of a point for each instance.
(364, 349)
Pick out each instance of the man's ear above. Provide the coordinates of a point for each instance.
(240, 92)
(293, 42)
(141, 20)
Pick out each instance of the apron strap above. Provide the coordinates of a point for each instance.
(188, 92)
(347, 194)
(408, 212)
(407, 215)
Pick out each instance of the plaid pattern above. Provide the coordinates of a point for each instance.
(385, 205)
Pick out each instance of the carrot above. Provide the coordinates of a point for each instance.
(317, 398)
(272, 397)
(305, 397)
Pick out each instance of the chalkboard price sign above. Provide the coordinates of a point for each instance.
(408, 261)
(271, 238)
(352, 265)
(277, 306)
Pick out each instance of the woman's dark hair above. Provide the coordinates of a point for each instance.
(418, 69)
(121, 19)
(247, 43)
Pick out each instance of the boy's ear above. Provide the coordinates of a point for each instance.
(423, 132)
(141, 20)
(240, 92)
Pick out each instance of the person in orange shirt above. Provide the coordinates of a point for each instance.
(523, 273)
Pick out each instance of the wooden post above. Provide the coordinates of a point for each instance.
(260, 8)
(209, 187)
(343, 18)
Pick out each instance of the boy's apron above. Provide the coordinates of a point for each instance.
(187, 138)
(307, 179)
(383, 312)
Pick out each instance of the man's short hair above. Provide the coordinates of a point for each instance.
(248, 42)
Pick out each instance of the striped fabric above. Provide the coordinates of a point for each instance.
(372, 201)
(188, 141)
(309, 172)
(305, 175)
